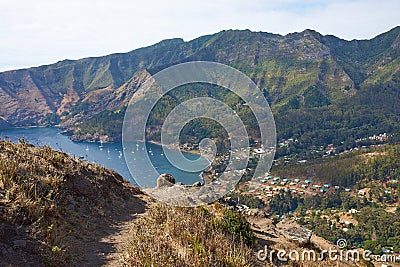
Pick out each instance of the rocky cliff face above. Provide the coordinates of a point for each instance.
(96, 101)
(27, 96)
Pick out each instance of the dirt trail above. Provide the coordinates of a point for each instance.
(107, 250)
(95, 236)
(118, 241)
(103, 247)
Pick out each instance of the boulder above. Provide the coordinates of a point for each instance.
(165, 180)
(298, 234)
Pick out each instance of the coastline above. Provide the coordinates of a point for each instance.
(193, 152)
(201, 175)
(114, 159)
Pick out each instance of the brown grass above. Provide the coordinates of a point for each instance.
(48, 193)
(172, 236)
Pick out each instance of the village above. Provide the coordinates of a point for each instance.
(267, 186)
(271, 186)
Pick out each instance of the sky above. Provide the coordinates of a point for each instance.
(34, 33)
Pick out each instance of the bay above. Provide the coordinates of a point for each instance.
(110, 155)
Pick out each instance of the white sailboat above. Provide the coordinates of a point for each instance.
(101, 145)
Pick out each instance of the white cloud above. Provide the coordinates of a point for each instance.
(44, 31)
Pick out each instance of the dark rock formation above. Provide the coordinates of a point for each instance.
(165, 179)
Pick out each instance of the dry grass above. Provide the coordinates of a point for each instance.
(172, 236)
(30, 182)
(48, 193)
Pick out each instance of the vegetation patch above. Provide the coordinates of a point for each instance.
(204, 236)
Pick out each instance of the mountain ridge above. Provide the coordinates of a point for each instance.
(299, 70)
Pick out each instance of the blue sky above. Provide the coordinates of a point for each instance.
(40, 32)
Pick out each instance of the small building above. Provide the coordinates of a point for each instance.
(353, 211)
(347, 189)
(308, 181)
(327, 185)
(259, 150)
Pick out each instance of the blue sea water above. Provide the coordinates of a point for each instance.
(110, 155)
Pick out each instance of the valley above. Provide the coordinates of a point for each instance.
(335, 174)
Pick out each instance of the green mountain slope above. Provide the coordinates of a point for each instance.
(317, 85)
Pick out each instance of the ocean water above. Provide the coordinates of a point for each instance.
(110, 155)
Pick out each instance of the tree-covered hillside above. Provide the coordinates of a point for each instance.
(322, 90)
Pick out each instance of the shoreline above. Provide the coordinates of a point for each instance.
(201, 175)
(91, 151)
(183, 151)
(63, 132)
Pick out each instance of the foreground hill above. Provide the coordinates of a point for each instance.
(59, 211)
(317, 85)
